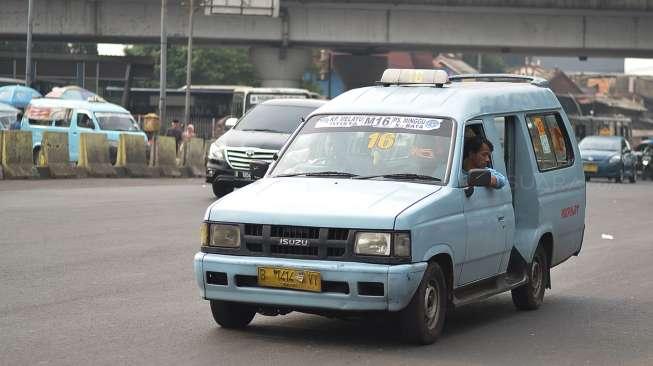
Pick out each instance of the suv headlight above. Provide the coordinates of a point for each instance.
(220, 235)
(381, 244)
(216, 150)
(615, 159)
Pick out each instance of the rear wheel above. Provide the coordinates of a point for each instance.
(620, 178)
(232, 315)
(35, 155)
(221, 189)
(531, 295)
(423, 319)
(633, 177)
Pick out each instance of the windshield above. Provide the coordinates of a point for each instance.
(273, 118)
(116, 121)
(598, 143)
(363, 146)
(254, 99)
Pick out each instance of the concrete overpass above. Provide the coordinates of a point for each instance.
(560, 27)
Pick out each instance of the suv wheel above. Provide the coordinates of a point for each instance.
(423, 319)
(221, 189)
(531, 295)
(232, 315)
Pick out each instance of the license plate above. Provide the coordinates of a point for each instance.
(591, 168)
(290, 278)
(242, 175)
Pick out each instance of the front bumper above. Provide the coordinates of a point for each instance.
(399, 282)
(221, 172)
(604, 170)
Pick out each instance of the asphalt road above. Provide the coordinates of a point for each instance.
(100, 272)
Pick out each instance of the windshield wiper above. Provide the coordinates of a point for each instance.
(407, 176)
(263, 130)
(320, 174)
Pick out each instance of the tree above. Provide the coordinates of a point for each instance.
(210, 65)
(491, 64)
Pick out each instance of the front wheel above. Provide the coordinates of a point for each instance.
(531, 295)
(423, 319)
(221, 189)
(232, 315)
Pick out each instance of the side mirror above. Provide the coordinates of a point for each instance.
(258, 168)
(230, 123)
(477, 178)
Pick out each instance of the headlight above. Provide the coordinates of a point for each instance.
(216, 150)
(382, 244)
(645, 161)
(220, 235)
(615, 159)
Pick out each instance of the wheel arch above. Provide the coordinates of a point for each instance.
(443, 256)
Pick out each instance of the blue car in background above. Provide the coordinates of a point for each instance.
(608, 157)
(76, 117)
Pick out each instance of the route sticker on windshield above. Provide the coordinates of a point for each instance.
(382, 141)
(390, 122)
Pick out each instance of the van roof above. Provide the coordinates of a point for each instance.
(78, 104)
(458, 100)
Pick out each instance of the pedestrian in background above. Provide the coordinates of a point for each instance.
(176, 132)
(189, 133)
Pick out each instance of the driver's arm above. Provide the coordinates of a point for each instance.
(498, 180)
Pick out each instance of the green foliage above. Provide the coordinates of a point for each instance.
(491, 64)
(210, 65)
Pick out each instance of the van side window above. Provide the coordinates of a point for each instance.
(62, 119)
(474, 130)
(550, 140)
(84, 121)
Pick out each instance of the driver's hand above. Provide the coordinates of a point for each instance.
(493, 181)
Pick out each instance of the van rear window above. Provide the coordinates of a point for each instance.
(550, 141)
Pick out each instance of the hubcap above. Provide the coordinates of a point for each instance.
(431, 304)
(536, 276)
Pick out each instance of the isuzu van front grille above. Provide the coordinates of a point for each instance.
(300, 242)
(240, 157)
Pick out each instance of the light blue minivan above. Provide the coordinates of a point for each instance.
(75, 117)
(410, 197)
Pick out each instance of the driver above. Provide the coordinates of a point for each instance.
(477, 153)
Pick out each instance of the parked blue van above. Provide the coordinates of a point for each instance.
(75, 117)
(413, 196)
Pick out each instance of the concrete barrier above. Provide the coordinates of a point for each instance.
(131, 160)
(194, 157)
(17, 154)
(94, 157)
(167, 156)
(54, 155)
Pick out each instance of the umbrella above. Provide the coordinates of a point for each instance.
(73, 92)
(17, 95)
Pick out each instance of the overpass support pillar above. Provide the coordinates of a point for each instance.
(280, 67)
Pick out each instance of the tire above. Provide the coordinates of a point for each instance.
(531, 295)
(221, 189)
(422, 320)
(620, 178)
(232, 315)
(633, 177)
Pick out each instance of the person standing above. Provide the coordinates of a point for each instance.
(175, 131)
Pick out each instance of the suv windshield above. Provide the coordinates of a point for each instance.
(116, 121)
(363, 146)
(273, 118)
(598, 143)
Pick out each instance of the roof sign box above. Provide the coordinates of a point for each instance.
(268, 8)
(414, 76)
